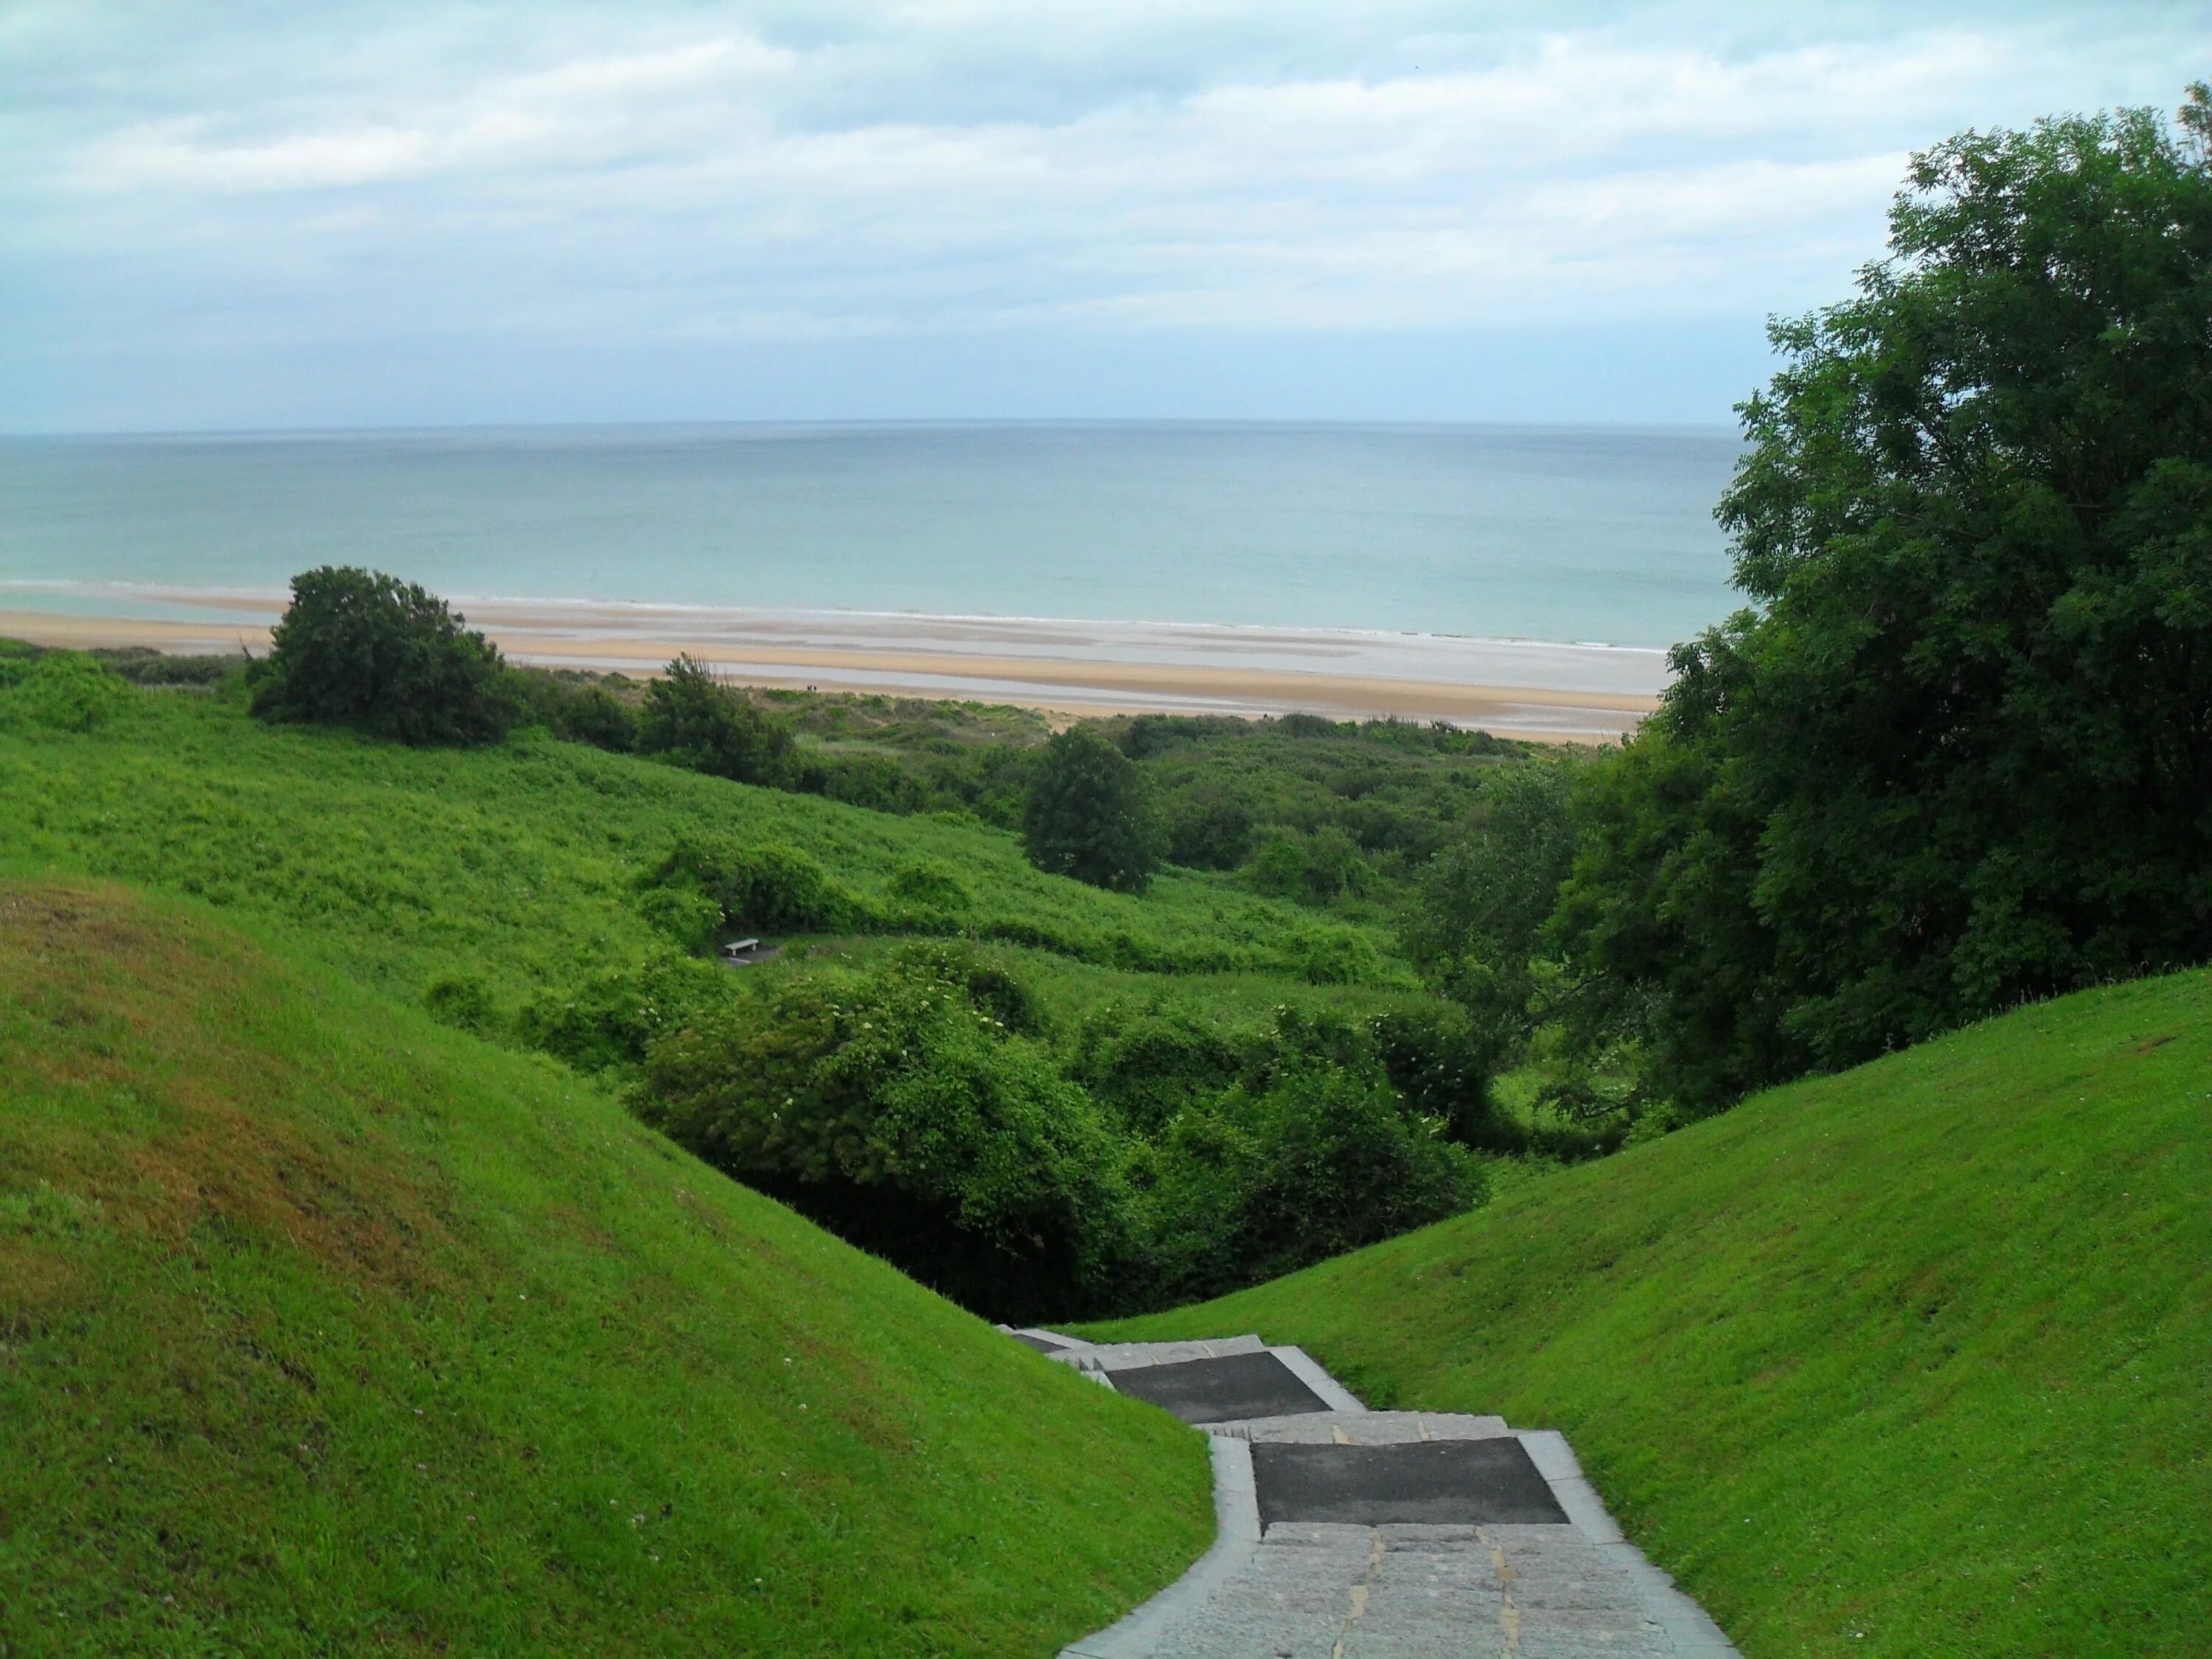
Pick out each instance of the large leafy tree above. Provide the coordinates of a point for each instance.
(360, 649)
(1959, 751)
(1091, 815)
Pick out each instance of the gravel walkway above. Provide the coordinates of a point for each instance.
(1347, 1533)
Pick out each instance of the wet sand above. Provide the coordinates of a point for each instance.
(1526, 688)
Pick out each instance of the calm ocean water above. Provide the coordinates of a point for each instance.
(1549, 533)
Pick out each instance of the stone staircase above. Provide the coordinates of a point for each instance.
(1347, 1533)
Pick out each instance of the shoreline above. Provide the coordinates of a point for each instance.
(1073, 668)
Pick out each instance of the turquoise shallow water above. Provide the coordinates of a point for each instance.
(1554, 533)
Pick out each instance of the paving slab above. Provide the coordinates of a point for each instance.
(1347, 1533)
(1435, 1482)
(1129, 1356)
(1220, 1391)
(1366, 1428)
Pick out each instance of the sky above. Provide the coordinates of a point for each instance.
(246, 215)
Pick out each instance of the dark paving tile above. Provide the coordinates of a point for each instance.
(1220, 1391)
(1433, 1482)
(1041, 1344)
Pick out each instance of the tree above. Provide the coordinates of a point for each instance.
(1090, 814)
(1959, 751)
(360, 649)
(691, 718)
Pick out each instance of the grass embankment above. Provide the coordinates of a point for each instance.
(518, 862)
(324, 1329)
(1910, 1360)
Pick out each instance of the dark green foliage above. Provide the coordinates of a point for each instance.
(1477, 912)
(900, 1109)
(882, 783)
(613, 1017)
(1149, 1063)
(1961, 753)
(1313, 867)
(461, 1000)
(1209, 828)
(1442, 1060)
(61, 691)
(1320, 1159)
(1090, 814)
(580, 708)
(693, 719)
(360, 649)
(924, 1110)
(774, 888)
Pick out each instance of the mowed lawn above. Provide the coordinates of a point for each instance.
(324, 1329)
(1915, 1360)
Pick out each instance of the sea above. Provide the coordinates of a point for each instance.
(1576, 534)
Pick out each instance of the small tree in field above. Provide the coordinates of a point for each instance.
(360, 649)
(695, 720)
(1090, 814)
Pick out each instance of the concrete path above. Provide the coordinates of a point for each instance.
(1347, 1533)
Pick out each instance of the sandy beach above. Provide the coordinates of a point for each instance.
(1576, 693)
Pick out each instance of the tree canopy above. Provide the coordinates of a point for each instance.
(1091, 815)
(360, 649)
(695, 720)
(1958, 752)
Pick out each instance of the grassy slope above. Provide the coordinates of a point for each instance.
(1915, 1360)
(515, 862)
(324, 1329)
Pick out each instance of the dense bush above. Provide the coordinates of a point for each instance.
(1476, 913)
(774, 888)
(61, 690)
(360, 649)
(1208, 828)
(923, 1108)
(1090, 814)
(901, 1109)
(693, 719)
(580, 708)
(1960, 752)
(612, 1018)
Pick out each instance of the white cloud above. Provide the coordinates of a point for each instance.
(582, 176)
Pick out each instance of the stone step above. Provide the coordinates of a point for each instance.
(1364, 1428)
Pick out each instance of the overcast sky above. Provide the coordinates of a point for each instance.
(242, 214)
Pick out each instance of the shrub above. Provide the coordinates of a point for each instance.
(614, 1017)
(580, 713)
(63, 691)
(1311, 867)
(1259, 1182)
(1208, 828)
(898, 1109)
(1090, 814)
(461, 1000)
(775, 888)
(1149, 1064)
(693, 719)
(360, 649)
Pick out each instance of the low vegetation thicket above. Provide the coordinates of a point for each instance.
(1261, 1084)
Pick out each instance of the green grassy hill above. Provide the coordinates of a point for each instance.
(324, 1329)
(1913, 1360)
(518, 862)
